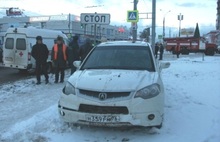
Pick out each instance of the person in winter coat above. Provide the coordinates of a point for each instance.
(161, 48)
(177, 48)
(156, 49)
(73, 53)
(59, 57)
(85, 49)
(40, 54)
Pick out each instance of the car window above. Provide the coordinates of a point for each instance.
(9, 43)
(120, 57)
(20, 44)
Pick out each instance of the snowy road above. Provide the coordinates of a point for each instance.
(192, 109)
(10, 75)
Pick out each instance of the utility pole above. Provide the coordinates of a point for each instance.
(134, 30)
(95, 34)
(153, 24)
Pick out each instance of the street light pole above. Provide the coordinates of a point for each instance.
(164, 27)
(180, 17)
(164, 23)
(153, 35)
(134, 30)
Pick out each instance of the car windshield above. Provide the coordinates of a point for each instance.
(120, 57)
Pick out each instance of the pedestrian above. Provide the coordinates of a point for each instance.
(40, 53)
(177, 51)
(161, 48)
(59, 57)
(73, 53)
(156, 50)
(85, 49)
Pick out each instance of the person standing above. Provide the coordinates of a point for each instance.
(177, 51)
(73, 53)
(40, 54)
(85, 49)
(156, 50)
(161, 48)
(59, 58)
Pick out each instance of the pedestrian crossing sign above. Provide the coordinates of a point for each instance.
(132, 16)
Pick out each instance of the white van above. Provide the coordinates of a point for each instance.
(18, 44)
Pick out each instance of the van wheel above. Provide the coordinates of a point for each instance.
(23, 71)
(49, 67)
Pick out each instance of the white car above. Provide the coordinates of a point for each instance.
(118, 84)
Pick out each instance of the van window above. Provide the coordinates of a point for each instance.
(20, 44)
(9, 43)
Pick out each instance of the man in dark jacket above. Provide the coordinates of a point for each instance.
(73, 53)
(40, 54)
(59, 58)
(85, 49)
(156, 49)
(161, 51)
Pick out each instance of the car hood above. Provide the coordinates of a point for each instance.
(112, 80)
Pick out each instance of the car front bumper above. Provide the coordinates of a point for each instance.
(140, 112)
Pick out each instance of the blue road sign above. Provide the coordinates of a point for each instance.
(132, 16)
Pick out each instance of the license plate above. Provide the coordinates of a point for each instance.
(8, 59)
(102, 118)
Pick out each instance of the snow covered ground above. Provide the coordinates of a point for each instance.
(28, 112)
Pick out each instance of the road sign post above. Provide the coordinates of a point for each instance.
(95, 18)
(132, 16)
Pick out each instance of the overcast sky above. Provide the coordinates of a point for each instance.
(202, 12)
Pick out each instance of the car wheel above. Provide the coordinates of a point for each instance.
(210, 52)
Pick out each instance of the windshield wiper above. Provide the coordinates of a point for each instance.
(100, 67)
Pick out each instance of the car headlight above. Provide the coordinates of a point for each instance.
(148, 92)
(69, 89)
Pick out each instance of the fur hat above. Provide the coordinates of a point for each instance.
(39, 38)
(60, 38)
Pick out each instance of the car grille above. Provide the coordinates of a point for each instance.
(110, 95)
(103, 109)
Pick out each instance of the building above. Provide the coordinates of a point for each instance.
(69, 24)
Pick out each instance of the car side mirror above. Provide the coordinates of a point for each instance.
(77, 64)
(164, 65)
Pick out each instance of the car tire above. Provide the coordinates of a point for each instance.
(210, 52)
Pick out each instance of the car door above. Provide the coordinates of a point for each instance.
(8, 49)
(21, 51)
(15, 50)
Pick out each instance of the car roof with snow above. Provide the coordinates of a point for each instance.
(124, 43)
